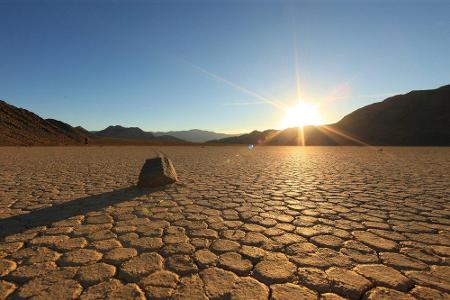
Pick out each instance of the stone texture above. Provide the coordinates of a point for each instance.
(424, 293)
(218, 283)
(140, 265)
(113, 289)
(275, 268)
(6, 289)
(160, 284)
(118, 255)
(247, 288)
(383, 293)
(205, 258)
(347, 283)
(288, 291)
(80, 257)
(233, 261)
(385, 276)
(6, 266)
(438, 277)
(181, 264)
(157, 171)
(95, 273)
(72, 209)
(314, 279)
(50, 288)
(374, 241)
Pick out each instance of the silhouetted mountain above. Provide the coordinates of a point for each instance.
(124, 133)
(21, 127)
(195, 135)
(254, 137)
(82, 130)
(415, 118)
(135, 133)
(418, 118)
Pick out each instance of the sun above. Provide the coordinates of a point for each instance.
(300, 115)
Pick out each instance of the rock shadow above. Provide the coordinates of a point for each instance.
(46, 216)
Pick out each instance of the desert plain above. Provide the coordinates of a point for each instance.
(267, 222)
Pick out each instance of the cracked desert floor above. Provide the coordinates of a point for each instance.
(272, 222)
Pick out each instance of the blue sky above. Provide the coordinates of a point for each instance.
(198, 64)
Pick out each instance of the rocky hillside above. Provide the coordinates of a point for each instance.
(21, 127)
(418, 118)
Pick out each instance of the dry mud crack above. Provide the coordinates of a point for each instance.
(273, 222)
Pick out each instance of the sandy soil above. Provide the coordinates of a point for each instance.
(279, 222)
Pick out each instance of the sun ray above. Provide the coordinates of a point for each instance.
(237, 86)
(340, 133)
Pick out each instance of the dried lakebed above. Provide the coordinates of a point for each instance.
(272, 222)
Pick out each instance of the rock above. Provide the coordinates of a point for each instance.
(24, 273)
(289, 291)
(248, 288)
(275, 268)
(190, 287)
(36, 255)
(181, 264)
(113, 289)
(80, 257)
(118, 255)
(424, 293)
(95, 273)
(382, 293)
(140, 265)
(160, 285)
(374, 241)
(50, 288)
(6, 289)
(437, 277)
(314, 278)
(402, 262)
(157, 171)
(347, 283)
(233, 261)
(6, 266)
(218, 283)
(385, 276)
(222, 246)
(205, 258)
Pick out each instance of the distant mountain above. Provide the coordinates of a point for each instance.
(254, 137)
(196, 135)
(118, 131)
(418, 118)
(310, 136)
(135, 133)
(21, 127)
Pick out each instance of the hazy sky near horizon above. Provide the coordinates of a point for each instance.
(173, 65)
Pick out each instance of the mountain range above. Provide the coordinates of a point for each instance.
(21, 127)
(418, 118)
(194, 135)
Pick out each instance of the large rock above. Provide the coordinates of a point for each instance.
(157, 171)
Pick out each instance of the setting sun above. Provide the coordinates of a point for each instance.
(300, 115)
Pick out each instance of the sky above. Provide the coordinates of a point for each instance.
(228, 66)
